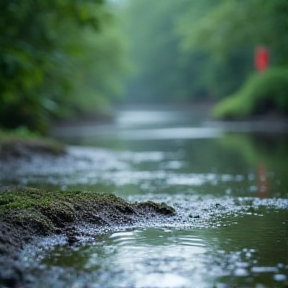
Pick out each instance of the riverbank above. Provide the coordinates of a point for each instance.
(217, 203)
(21, 143)
(263, 93)
(27, 213)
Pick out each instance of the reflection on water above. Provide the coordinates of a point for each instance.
(197, 166)
(154, 257)
(262, 181)
(230, 192)
(144, 258)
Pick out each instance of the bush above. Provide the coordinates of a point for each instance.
(58, 58)
(261, 93)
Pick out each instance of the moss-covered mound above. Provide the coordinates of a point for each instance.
(262, 93)
(44, 212)
(40, 212)
(22, 144)
(29, 212)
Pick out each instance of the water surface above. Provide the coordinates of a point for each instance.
(230, 191)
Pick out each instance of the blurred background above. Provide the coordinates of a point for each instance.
(187, 104)
(81, 59)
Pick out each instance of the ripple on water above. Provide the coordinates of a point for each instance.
(218, 240)
(185, 257)
(151, 257)
(236, 247)
(88, 166)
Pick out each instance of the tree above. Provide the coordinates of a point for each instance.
(237, 27)
(169, 70)
(154, 50)
(235, 24)
(188, 49)
(41, 45)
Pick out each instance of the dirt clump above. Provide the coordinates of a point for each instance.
(26, 213)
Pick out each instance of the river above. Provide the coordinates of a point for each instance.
(227, 182)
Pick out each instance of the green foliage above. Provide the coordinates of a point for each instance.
(168, 70)
(262, 93)
(187, 49)
(241, 24)
(41, 51)
(62, 58)
(100, 70)
(154, 50)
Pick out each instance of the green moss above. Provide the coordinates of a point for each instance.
(30, 220)
(261, 93)
(45, 211)
(17, 143)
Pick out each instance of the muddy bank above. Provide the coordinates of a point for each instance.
(27, 213)
(16, 146)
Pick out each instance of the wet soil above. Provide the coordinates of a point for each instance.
(32, 219)
(14, 146)
(27, 213)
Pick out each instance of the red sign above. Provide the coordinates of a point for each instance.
(261, 58)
